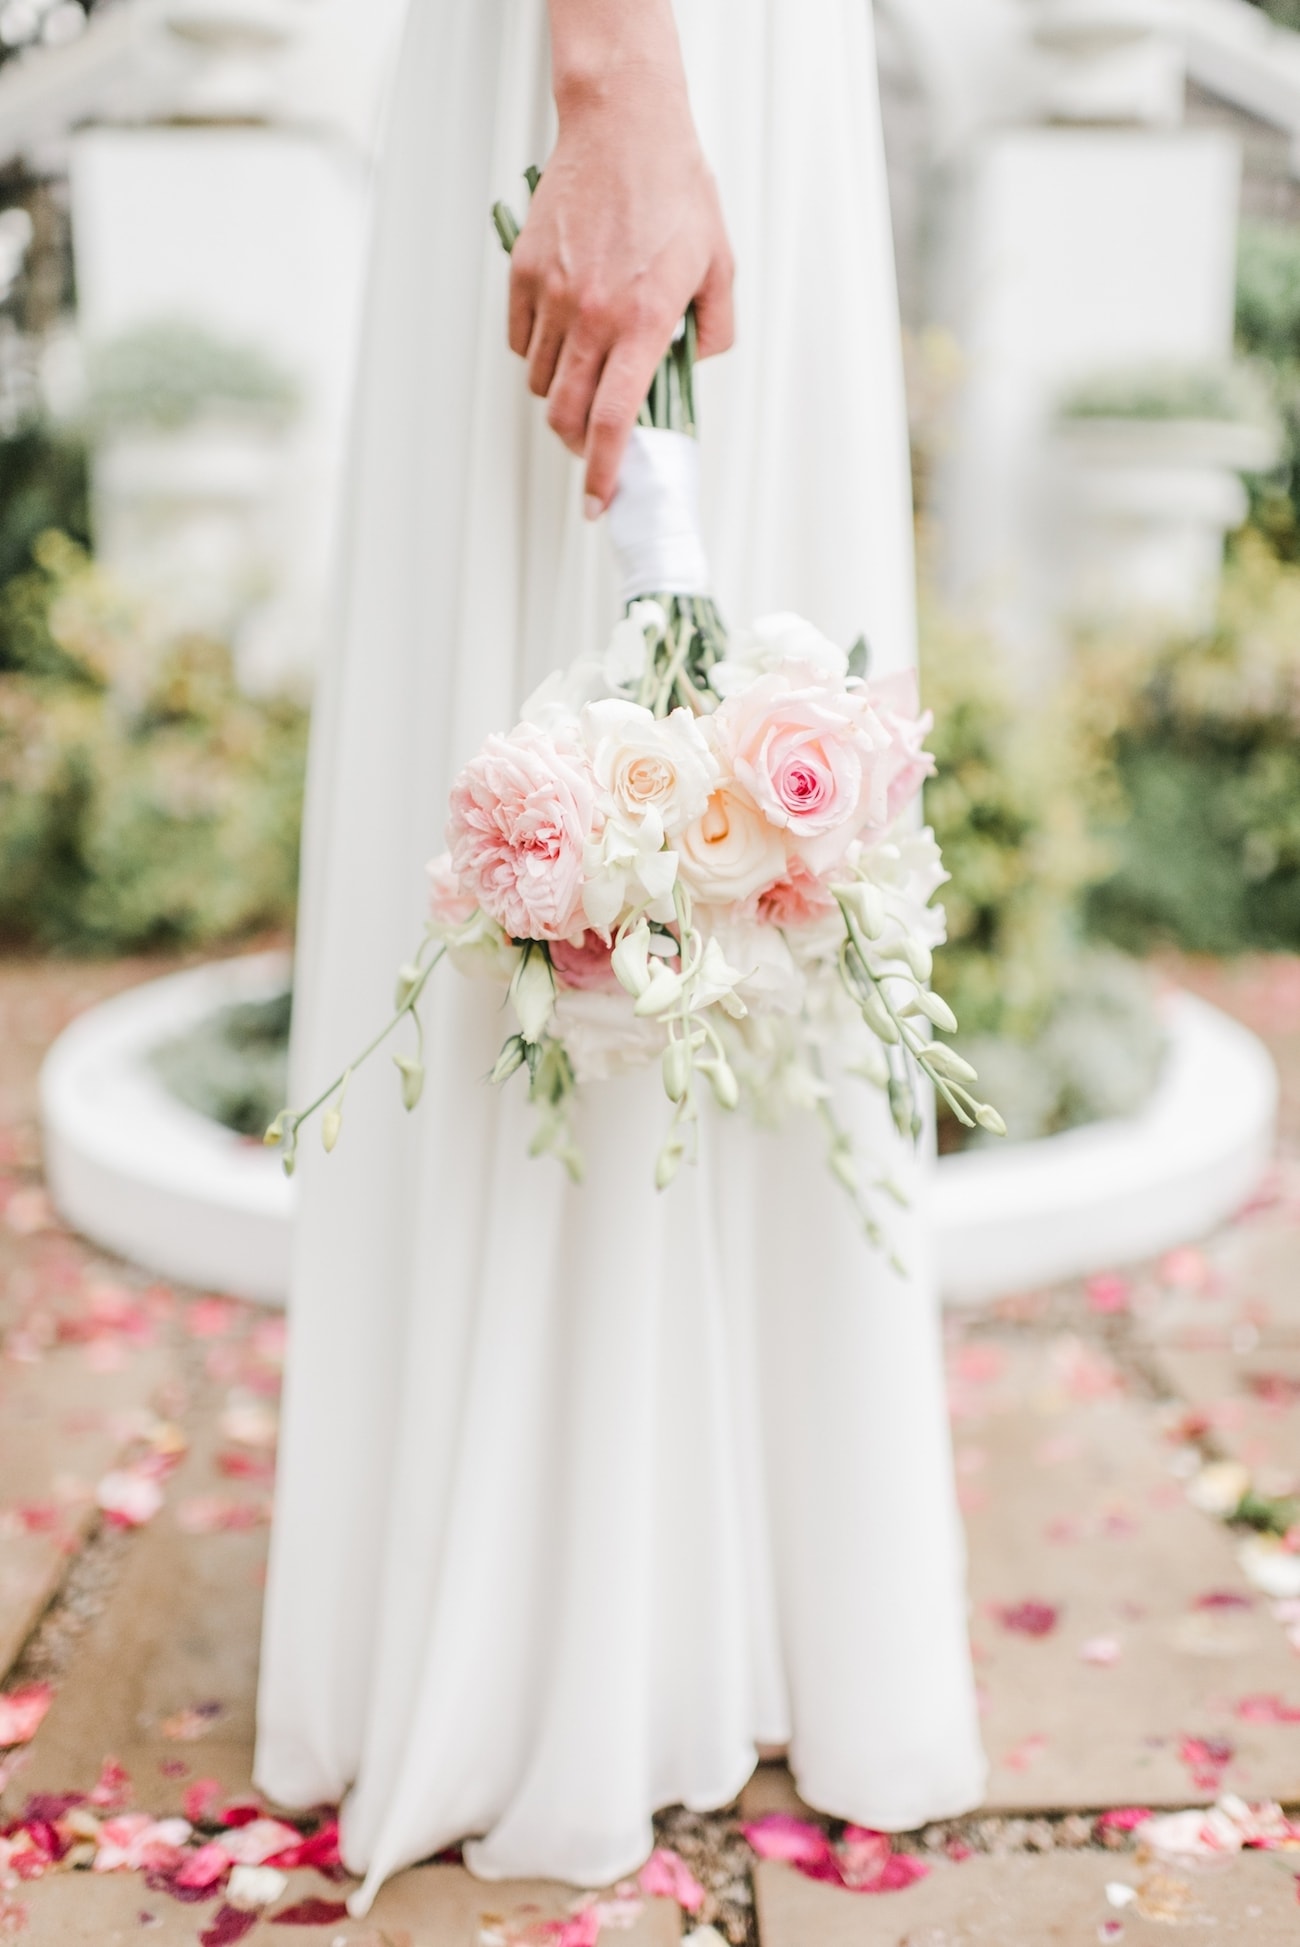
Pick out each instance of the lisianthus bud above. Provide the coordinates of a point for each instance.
(330, 1127)
(512, 1056)
(412, 1074)
(677, 1070)
(629, 960)
(532, 992)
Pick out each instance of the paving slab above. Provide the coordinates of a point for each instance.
(1250, 1403)
(772, 1789)
(165, 1679)
(1024, 1901)
(432, 1906)
(1114, 1634)
(64, 1419)
(1239, 1291)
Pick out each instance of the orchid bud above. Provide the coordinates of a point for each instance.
(677, 1070)
(532, 992)
(945, 1061)
(629, 960)
(988, 1118)
(275, 1133)
(408, 977)
(662, 991)
(918, 957)
(412, 1074)
(866, 905)
(878, 1018)
(936, 1009)
(669, 1162)
(331, 1127)
(722, 1080)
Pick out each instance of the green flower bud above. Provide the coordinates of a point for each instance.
(722, 1080)
(275, 1133)
(532, 992)
(330, 1128)
(677, 1070)
(512, 1056)
(407, 977)
(412, 1074)
(878, 1018)
(669, 1162)
(936, 1009)
(945, 1061)
(988, 1118)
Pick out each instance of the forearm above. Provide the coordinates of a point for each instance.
(598, 47)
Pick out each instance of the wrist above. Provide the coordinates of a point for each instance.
(597, 60)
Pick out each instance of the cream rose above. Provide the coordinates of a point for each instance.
(731, 850)
(656, 772)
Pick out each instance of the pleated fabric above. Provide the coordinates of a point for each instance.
(585, 1491)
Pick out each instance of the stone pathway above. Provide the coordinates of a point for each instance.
(1135, 1648)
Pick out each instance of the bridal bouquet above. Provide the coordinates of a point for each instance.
(699, 851)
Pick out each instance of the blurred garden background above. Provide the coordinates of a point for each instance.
(1098, 228)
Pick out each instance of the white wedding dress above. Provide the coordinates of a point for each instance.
(586, 1491)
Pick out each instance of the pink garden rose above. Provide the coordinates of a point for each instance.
(586, 966)
(521, 812)
(449, 904)
(898, 707)
(813, 758)
(797, 900)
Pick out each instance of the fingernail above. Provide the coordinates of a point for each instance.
(592, 508)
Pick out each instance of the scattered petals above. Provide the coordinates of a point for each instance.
(21, 1712)
(211, 1514)
(1270, 1566)
(1268, 1709)
(128, 1497)
(1124, 1818)
(230, 1924)
(1219, 1487)
(665, 1875)
(253, 1887)
(1027, 1752)
(1101, 1651)
(311, 1913)
(1029, 1618)
(258, 1841)
(185, 1726)
(201, 1799)
(1119, 1894)
(864, 1862)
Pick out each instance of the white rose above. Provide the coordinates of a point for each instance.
(776, 642)
(656, 772)
(769, 978)
(602, 1036)
(730, 851)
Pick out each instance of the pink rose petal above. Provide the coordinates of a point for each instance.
(21, 1712)
(229, 1924)
(311, 1913)
(666, 1876)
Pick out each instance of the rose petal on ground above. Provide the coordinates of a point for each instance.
(311, 1913)
(229, 1924)
(21, 1712)
(129, 1498)
(1101, 1651)
(667, 1876)
(112, 1789)
(205, 1867)
(1022, 1755)
(186, 1726)
(259, 1841)
(1270, 1566)
(1180, 1837)
(200, 1800)
(211, 1514)
(254, 1887)
(14, 1916)
(1028, 1618)
(320, 1849)
(779, 1835)
(1268, 1709)
(1224, 1599)
(1108, 1293)
(1124, 1818)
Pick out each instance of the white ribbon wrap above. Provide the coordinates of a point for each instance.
(654, 517)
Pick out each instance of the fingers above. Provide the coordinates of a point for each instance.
(573, 388)
(623, 385)
(523, 302)
(715, 316)
(544, 352)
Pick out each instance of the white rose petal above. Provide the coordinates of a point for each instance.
(253, 1887)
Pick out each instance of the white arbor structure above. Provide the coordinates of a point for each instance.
(1077, 224)
(219, 153)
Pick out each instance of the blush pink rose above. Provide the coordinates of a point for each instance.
(521, 812)
(813, 758)
(586, 966)
(897, 705)
(449, 904)
(797, 900)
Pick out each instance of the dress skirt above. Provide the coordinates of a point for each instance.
(586, 1491)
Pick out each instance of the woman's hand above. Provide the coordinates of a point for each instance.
(624, 232)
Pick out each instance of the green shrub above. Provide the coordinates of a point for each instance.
(233, 1067)
(1204, 737)
(144, 801)
(164, 374)
(1060, 1033)
(1268, 330)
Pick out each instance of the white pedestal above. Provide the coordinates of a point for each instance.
(148, 1178)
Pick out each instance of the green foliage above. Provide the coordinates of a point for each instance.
(234, 1066)
(1268, 330)
(144, 801)
(1204, 734)
(1167, 391)
(1060, 1033)
(165, 374)
(43, 484)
